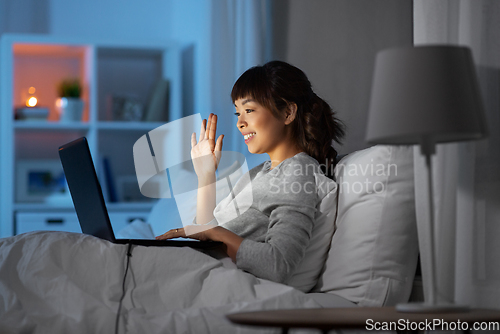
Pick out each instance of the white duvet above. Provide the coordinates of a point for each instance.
(57, 282)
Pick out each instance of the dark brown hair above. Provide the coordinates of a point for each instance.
(275, 86)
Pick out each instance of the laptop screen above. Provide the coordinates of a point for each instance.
(85, 189)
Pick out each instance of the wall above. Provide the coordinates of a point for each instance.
(335, 43)
(191, 26)
(24, 16)
(113, 19)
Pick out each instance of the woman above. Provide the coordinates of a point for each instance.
(279, 114)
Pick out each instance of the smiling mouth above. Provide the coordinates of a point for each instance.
(248, 137)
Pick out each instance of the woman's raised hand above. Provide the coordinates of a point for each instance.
(206, 153)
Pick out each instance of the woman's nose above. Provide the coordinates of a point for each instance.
(241, 123)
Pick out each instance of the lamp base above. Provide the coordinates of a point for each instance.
(431, 308)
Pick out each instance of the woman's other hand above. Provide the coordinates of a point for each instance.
(206, 153)
(231, 241)
(198, 232)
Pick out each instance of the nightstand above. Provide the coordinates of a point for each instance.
(370, 318)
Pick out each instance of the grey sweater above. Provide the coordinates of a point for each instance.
(278, 224)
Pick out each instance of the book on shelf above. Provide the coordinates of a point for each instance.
(31, 113)
(157, 109)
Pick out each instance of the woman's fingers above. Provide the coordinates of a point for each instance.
(175, 233)
(212, 127)
(218, 144)
(207, 127)
(193, 140)
(202, 130)
(208, 131)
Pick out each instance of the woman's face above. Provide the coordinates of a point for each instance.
(262, 131)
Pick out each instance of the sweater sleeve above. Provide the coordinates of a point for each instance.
(290, 203)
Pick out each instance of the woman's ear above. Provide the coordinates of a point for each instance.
(291, 112)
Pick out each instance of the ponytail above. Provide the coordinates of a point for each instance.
(316, 128)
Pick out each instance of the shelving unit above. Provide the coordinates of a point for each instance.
(104, 68)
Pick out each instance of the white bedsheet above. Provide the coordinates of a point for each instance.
(56, 282)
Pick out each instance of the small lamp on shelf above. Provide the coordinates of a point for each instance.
(31, 111)
(32, 100)
(69, 104)
(422, 96)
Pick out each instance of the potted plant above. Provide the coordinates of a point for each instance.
(70, 104)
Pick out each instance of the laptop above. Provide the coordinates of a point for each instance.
(89, 201)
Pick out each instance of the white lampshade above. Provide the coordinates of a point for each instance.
(425, 93)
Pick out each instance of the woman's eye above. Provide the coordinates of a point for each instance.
(246, 110)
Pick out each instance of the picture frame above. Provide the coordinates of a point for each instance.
(38, 181)
(125, 107)
(128, 189)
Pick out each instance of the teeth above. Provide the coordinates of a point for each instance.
(250, 135)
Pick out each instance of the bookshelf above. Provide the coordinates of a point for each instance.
(108, 71)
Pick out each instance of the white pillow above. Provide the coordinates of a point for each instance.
(307, 274)
(373, 254)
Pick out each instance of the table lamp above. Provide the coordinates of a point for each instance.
(425, 95)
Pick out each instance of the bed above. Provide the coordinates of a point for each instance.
(55, 282)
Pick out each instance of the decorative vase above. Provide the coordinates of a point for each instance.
(70, 109)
